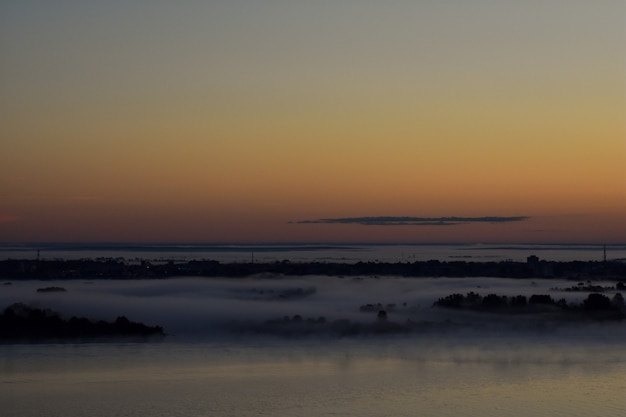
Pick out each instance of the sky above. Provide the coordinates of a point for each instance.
(281, 121)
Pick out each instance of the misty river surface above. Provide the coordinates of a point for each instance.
(234, 348)
(344, 378)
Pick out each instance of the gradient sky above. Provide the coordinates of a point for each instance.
(233, 121)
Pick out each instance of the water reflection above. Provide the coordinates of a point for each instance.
(365, 378)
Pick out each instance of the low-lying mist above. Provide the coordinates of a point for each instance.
(330, 308)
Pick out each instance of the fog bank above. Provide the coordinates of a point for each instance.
(328, 307)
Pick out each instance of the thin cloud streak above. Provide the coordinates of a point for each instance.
(414, 221)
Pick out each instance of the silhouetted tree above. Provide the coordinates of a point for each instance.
(453, 300)
(519, 301)
(597, 302)
(24, 322)
(540, 299)
(618, 300)
(494, 300)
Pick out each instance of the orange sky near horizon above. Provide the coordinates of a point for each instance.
(231, 122)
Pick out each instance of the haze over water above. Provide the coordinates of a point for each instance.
(235, 348)
(229, 352)
(319, 252)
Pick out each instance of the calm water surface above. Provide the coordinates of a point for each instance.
(366, 377)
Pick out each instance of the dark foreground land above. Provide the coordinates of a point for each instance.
(20, 322)
(116, 269)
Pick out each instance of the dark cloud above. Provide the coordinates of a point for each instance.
(414, 221)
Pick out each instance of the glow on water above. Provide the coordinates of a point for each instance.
(348, 378)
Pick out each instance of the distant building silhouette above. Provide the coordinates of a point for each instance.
(533, 263)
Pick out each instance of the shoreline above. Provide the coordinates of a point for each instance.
(110, 268)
